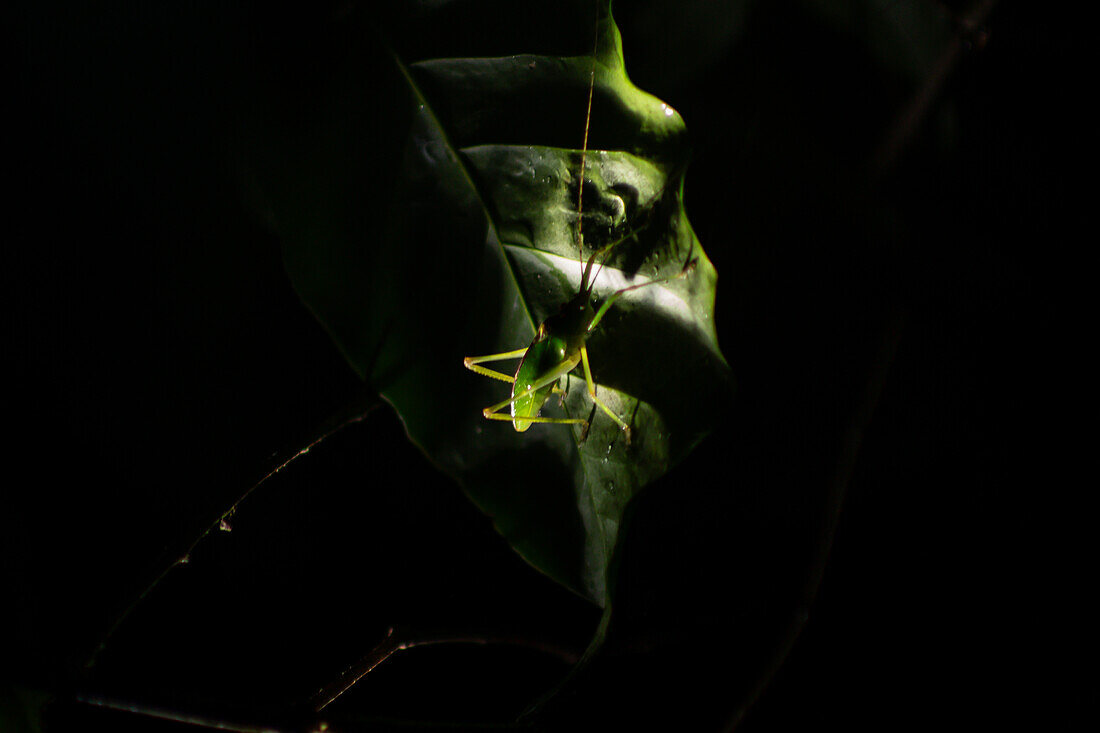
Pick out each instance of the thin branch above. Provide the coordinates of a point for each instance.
(391, 644)
(905, 126)
(866, 407)
(197, 721)
(221, 523)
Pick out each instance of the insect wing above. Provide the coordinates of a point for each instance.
(542, 359)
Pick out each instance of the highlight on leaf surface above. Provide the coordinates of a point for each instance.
(455, 233)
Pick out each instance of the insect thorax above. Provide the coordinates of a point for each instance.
(570, 323)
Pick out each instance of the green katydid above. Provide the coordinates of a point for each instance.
(559, 346)
(557, 349)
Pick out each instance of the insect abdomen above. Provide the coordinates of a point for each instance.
(542, 358)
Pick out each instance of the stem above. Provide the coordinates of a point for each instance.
(912, 116)
(391, 644)
(220, 523)
(846, 462)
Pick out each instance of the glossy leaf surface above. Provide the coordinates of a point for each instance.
(470, 241)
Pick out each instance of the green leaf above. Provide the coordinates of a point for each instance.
(459, 237)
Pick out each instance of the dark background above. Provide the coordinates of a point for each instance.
(892, 330)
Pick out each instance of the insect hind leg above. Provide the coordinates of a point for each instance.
(599, 403)
(492, 412)
(473, 363)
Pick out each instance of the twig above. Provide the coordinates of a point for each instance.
(906, 124)
(391, 644)
(866, 407)
(189, 719)
(221, 523)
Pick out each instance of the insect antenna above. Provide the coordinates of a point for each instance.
(584, 158)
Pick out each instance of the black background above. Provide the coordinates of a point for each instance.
(160, 364)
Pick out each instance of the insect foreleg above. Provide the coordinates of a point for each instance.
(606, 306)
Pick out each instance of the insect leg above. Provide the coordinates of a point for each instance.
(556, 420)
(592, 393)
(619, 293)
(472, 362)
(492, 412)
